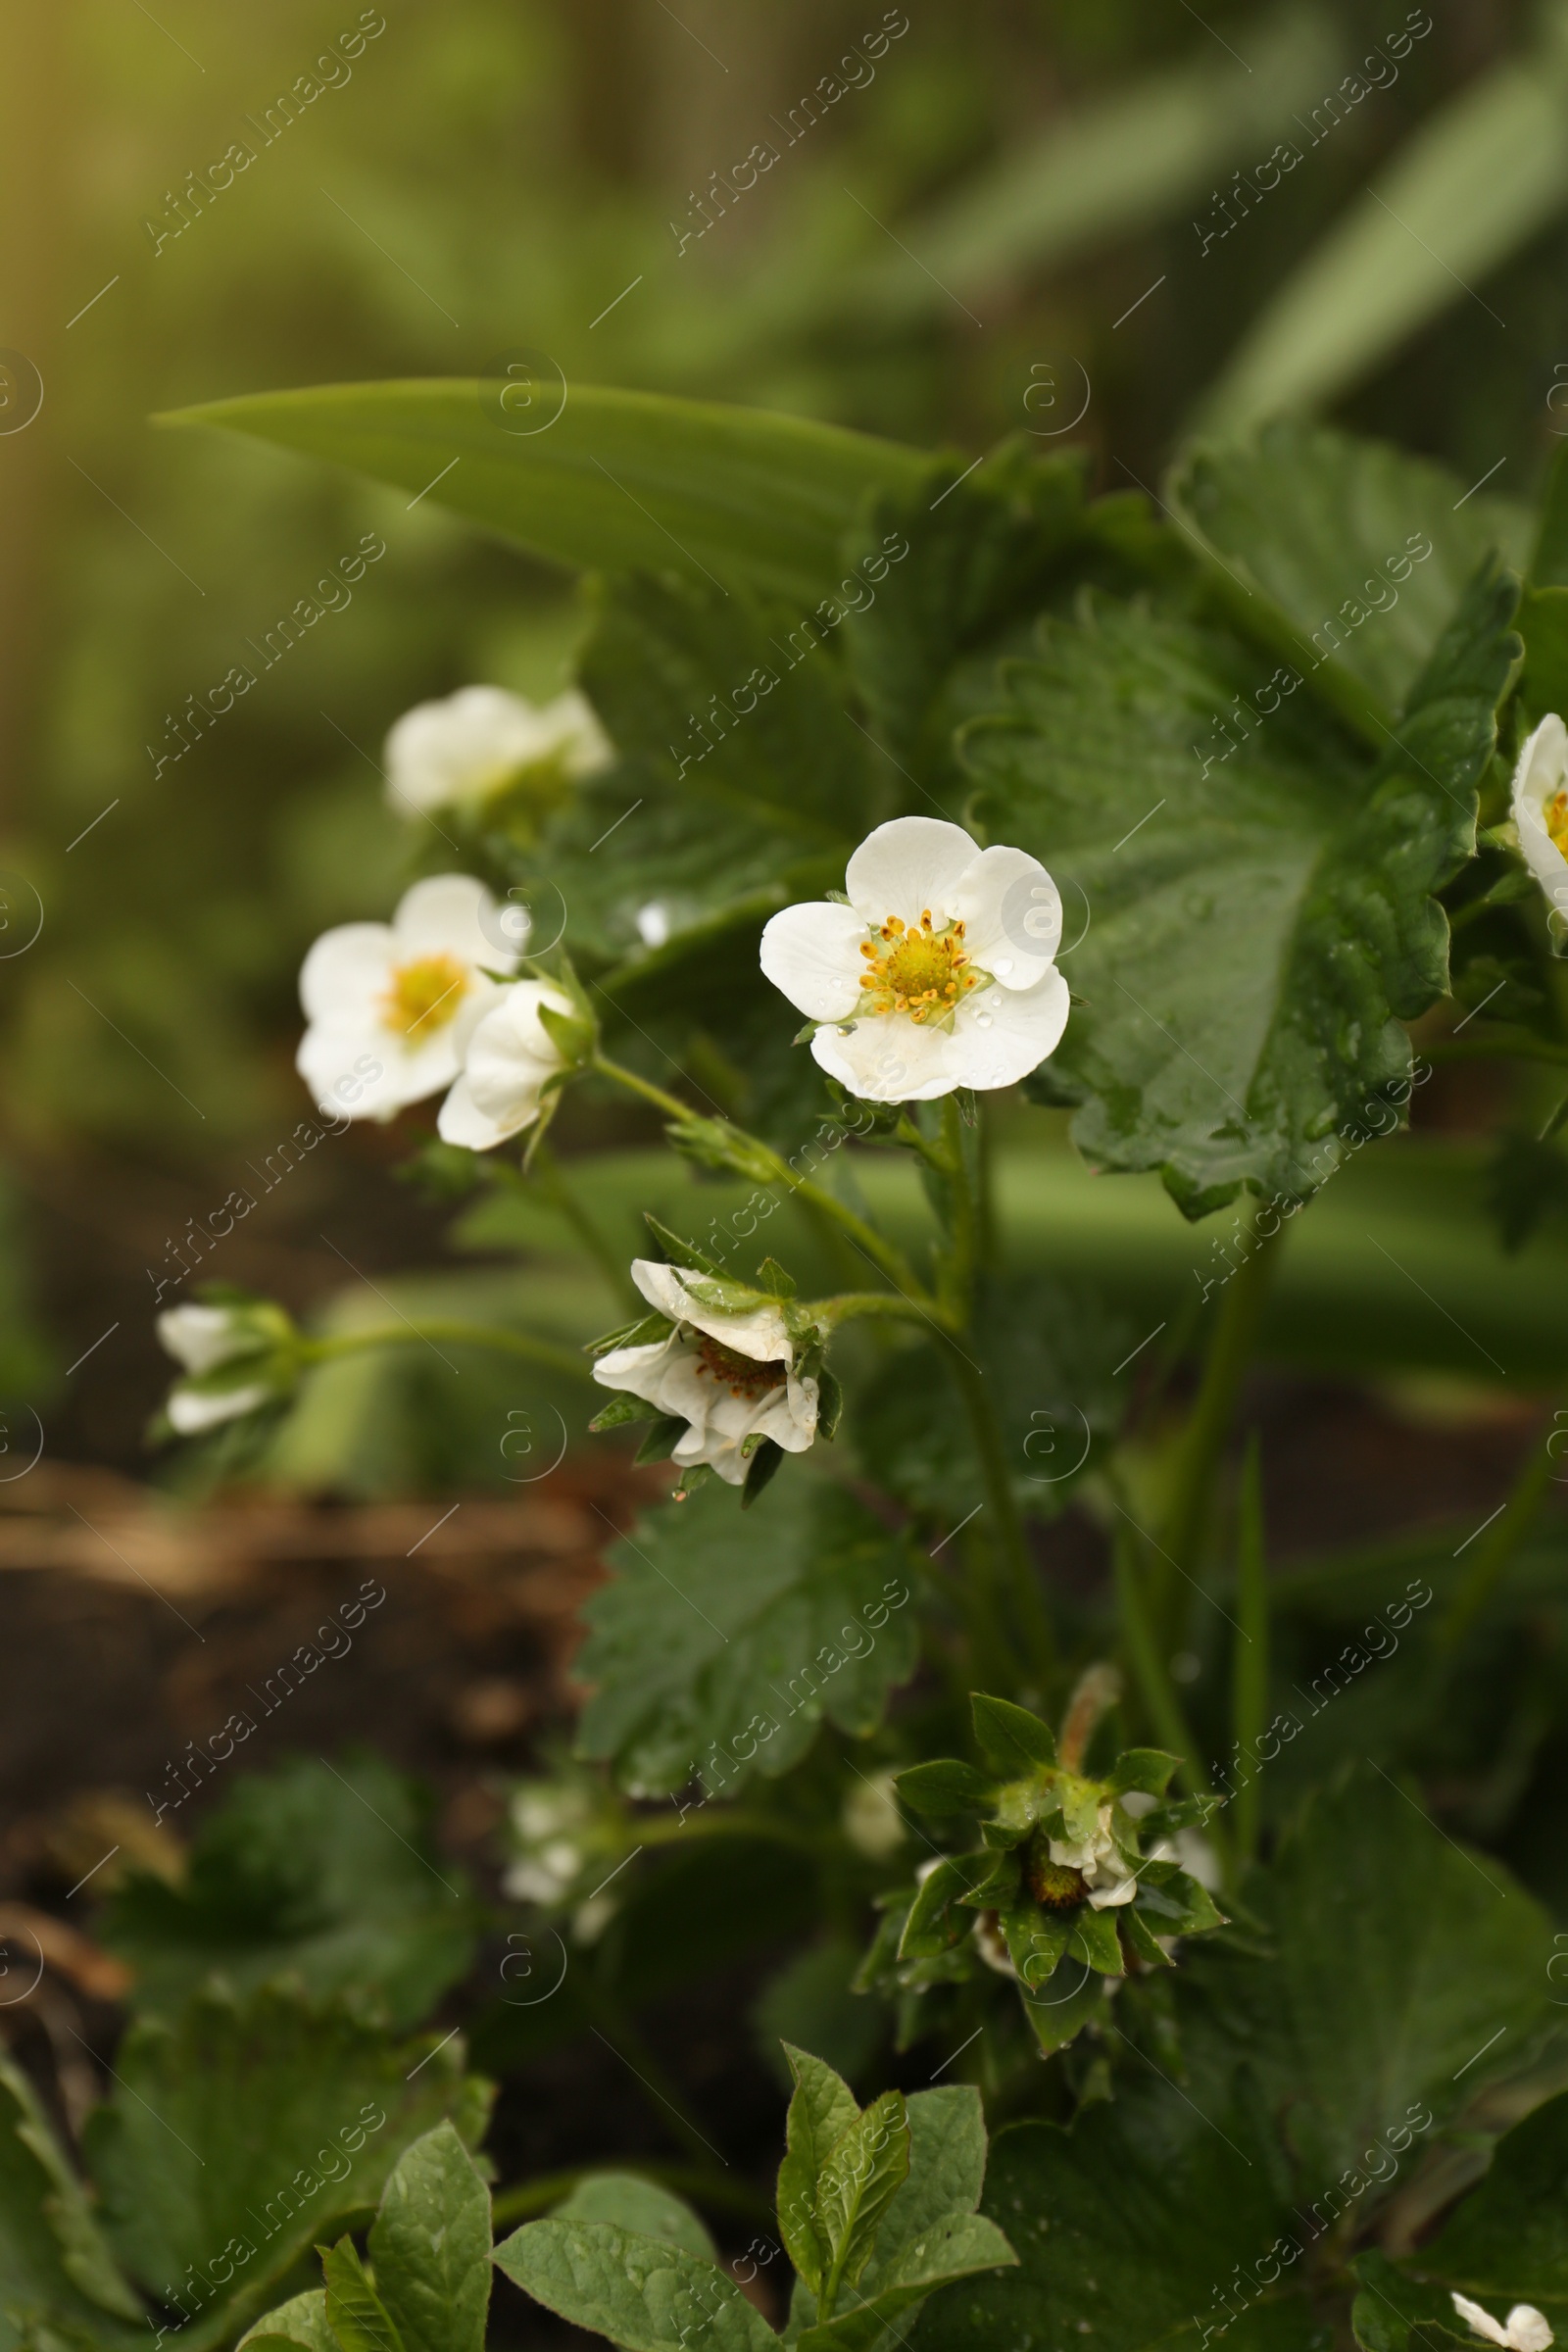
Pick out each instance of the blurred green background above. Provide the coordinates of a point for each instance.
(1015, 207)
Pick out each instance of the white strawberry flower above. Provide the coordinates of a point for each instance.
(402, 998)
(236, 1353)
(1541, 808)
(509, 1058)
(938, 974)
(729, 1376)
(1526, 2330)
(1105, 1871)
(480, 740)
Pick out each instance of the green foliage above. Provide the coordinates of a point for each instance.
(711, 1659)
(324, 1873)
(638, 2205)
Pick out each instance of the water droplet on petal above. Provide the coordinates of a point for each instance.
(1002, 966)
(981, 1020)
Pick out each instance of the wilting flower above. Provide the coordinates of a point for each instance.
(1541, 806)
(237, 1352)
(940, 971)
(509, 1059)
(404, 996)
(483, 740)
(1526, 2330)
(727, 1372)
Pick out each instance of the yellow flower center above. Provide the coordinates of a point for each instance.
(914, 969)
(1555, 815)
(425, 995)
(742, 1375)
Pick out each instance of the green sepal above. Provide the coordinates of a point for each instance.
(762, 1467)
(1180, 1906)
(573, 1036)
(829, 1403)
(1009, 1738)
(773, 1280)
(1036, 1939)
(997, 1888)
(641, 1333)
(930, 1927)
(1144, 1768)
(676, 1253)
(693, 1479)
(621, 1411)
(666, 1434)
(1080, 1801)
(945, 1785)
(1140, 1938)
(716, 1144)
(1057, 2021)
(1005, 1836)
(1096, 1943)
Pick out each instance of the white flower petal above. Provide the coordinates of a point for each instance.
(462, 1121)
(907, 865)
(451, 915)
(888, 1058)
(191, 1410)
(1541, 772)
(811, 954)
(347, 972)
(464, 748)
(510, 1054)
(999, 1035)
(1011, 913)
(201, 1338)
(762, 1334)
(1481, 2322)
(1529, 2330)
(1110, 1897)
(641, 1371)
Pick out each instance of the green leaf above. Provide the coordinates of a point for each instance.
(1176, 1906)
(1146, 1768)
(1544, 626)
(638, 2205)
(1548, 566)
(1461, 194)
(301, 2321)
(1407, 1972)
(946, 1786)
(642, 2293)
(326, 1873)
(1508, 2241)
(864, 2170)
(1011, 1740)
(1095, 1941)
(1306, 527)
(55, 2267)
(430, 2245)
(1259, 935)
(720, 1655)
(619, 481)
(1036, 1939)
(355, 2311)
(821, 2111)
(931, 1926)
(328, 2105)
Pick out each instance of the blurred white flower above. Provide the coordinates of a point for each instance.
(872, 1822)
(938, 974)
(1526, 2330)
(1100, 1861)
(481, 739)
(1541, 808)
(509, 1058)
(730, 1377)
(407, 995)
(236, 1352)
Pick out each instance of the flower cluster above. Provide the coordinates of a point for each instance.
(567, 1837)
(1075, 1881)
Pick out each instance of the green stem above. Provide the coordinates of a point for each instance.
(457, 1334)
(1250, 1672)
(1149, 1672)
(697, 2182)
(956, 1287)
(1502, 1540)
(546, 1172)
(764, 1826)
(848, 1306)
(1008, 1542)
(1202, 1442)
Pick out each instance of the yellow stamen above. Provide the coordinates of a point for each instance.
(1555, 814)
(425, 995)
(921, 971)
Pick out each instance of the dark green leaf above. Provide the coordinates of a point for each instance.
(1011, 1740)
(324, 1871)
(719, 1654)
(1508, 2241)
(55, 2266)
(430, 2245)
(642, 2293)
(355, 2311)
(864, 2170)
(931, 1926)
(1146, 1768)
(944, 1786)
(1258, 942)
(619, 481)
(821, 2111)
(639, 2205)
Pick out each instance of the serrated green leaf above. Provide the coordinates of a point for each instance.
(328, 2107)
(301, 2321)
(355, 2311)
(324, 1872)
(946, 1786)
(430, 2245)
(822, 2109)
(1508, 2241)
(1095, 1941)
(1307, 528)
(710, 1655)
(54, 2273)
(1258, 942)
(620, 482)
(642, 2293)
(931, 1926)
(1147, 1768)
(639, 2205)
(1011, 1740)
(864, 2170)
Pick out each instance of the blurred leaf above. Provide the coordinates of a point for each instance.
(326, 1875)
(810, 2001)
(1312, 533)
(54, 2263)
(632, 2203)
(1259, 934)
(327, 2105)
(1508, 2241)
(620, 482)
(1526, 1183)
(1465, 192)
(709, 1636)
